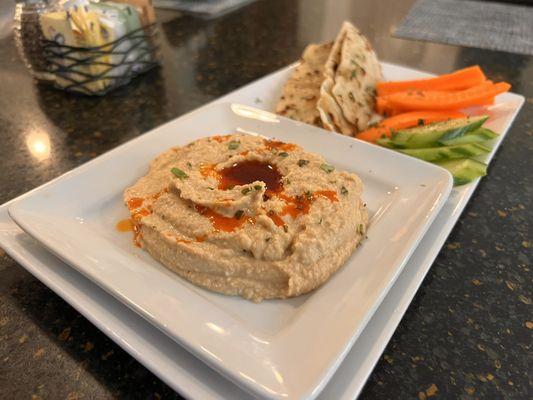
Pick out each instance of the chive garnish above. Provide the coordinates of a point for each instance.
(246, 190)
(327, 168)
(233, 144)
(283, 154)
(301, 163)
(179, 173)
(258, 187)
(344, 190)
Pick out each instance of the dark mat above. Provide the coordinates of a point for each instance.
(487, 25)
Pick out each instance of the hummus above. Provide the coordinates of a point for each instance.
(242, 215)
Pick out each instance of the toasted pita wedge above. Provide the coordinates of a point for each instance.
(302, 91)
(347, 93)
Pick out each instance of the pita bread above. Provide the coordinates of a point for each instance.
(351, 73)
(302, 90)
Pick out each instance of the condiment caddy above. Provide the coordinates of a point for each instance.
(87, 46)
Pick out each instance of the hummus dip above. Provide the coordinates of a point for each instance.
(242, 215)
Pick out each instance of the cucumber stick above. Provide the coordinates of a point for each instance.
(386, 142)
(430, 135)
(447, 152)
(477, 136)
(464, 170)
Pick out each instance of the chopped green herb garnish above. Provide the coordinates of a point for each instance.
(354, 74)
(420, 122)
(320, 221)
(179, 173)
(301, 163)
(211, 188)
(283, 154)
(361, 229)
(258, 187)
(246, 190)
(327, 168)
(233, 144)
(344, 190)
(189, 164)
(239, 214)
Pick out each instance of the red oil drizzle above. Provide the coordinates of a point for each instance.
(298, 205)
(331, 195)
(135, 202)
(198, 239)
(220, 139)
(138, 214)
(158, 195)
(273, 144)
(220, 222)
(125, 225)
(209, 170)
(249, 171)
(276, 218)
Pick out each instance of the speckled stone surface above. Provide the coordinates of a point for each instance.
(468, 332)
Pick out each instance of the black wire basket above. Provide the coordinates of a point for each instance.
(98, 70)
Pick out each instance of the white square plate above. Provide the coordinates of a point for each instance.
(270, 349)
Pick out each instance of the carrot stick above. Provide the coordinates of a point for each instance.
(437, 100)
(458, 80)
(381, 105)
(406, 120)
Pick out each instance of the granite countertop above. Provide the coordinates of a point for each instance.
(468, 332)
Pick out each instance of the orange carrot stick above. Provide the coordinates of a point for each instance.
(458, 80)
(381, 105)
(406, 120)
(437, 100)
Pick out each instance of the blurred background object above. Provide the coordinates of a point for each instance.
(29, 37)
(202, 8)
(86, 46)
(486, 25)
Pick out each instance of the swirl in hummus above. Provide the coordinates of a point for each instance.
(242, 215)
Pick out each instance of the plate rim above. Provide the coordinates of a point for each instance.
(330, 369)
